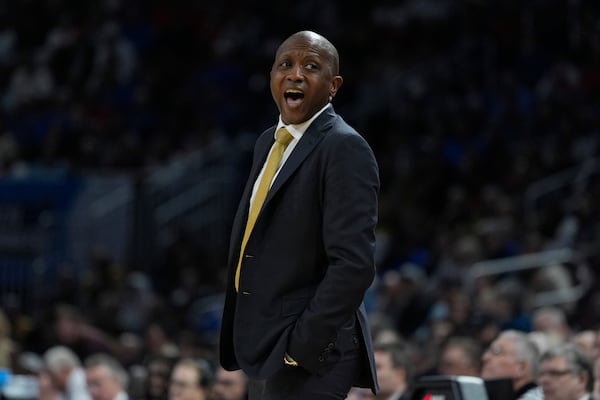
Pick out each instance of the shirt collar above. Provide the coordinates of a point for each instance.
(297, 130)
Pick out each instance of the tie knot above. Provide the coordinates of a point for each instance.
(283, 136)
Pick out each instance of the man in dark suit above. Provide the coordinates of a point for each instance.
(302, 254)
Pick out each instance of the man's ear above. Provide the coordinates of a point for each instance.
(336, 82)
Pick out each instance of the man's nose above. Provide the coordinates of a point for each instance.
(296, 74)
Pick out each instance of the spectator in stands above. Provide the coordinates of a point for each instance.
(553, 321)
(158, 368)
(394, 371)
(463, 124)
(66, 372)
(106, 378)
(404, 297)
(135, 303)
(544, 340)
(513, 356)
(158, 342)
(188, 381)
(80, 336)
(586, 341)
(460, 355)
(566, 373)
(229, 385)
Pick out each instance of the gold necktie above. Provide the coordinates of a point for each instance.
(282, 139)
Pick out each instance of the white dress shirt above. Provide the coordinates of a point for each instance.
(296, 131)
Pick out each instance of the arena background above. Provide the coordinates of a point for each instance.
(126, 129)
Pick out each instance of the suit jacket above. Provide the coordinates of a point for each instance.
(309, 259)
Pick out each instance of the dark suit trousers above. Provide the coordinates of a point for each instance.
(296, 383)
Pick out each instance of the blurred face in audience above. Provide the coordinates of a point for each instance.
(158, 378)
(454, 361)
(185, 384)
(500, 361)
(229, 385)
(391, 379)
(102, 385)
(559, 382)
(586, 341)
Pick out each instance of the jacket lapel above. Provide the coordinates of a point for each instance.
(239, 223)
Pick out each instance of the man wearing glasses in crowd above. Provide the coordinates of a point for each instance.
(566, 374)
(513, 356)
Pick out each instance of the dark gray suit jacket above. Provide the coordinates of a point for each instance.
(309, 259)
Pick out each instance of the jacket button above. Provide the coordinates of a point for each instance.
(321, 358)
(331, 346)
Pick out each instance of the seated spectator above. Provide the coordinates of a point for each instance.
(460, 355)
(158, 370)
(566, 374)
(188, 381)
(229, 385)
(553, 321)
(586, 341)
(512, 355)
(394, 371)
(66, 373)
(71, 329)
(106, 378)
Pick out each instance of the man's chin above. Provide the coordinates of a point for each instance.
(294, 118)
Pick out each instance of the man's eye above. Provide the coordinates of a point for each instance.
(310, 66)
(285, 64)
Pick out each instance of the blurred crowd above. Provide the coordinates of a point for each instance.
(482, 115)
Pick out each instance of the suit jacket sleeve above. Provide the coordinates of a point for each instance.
(349, 212)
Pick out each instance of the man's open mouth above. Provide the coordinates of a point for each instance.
(293, 97)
